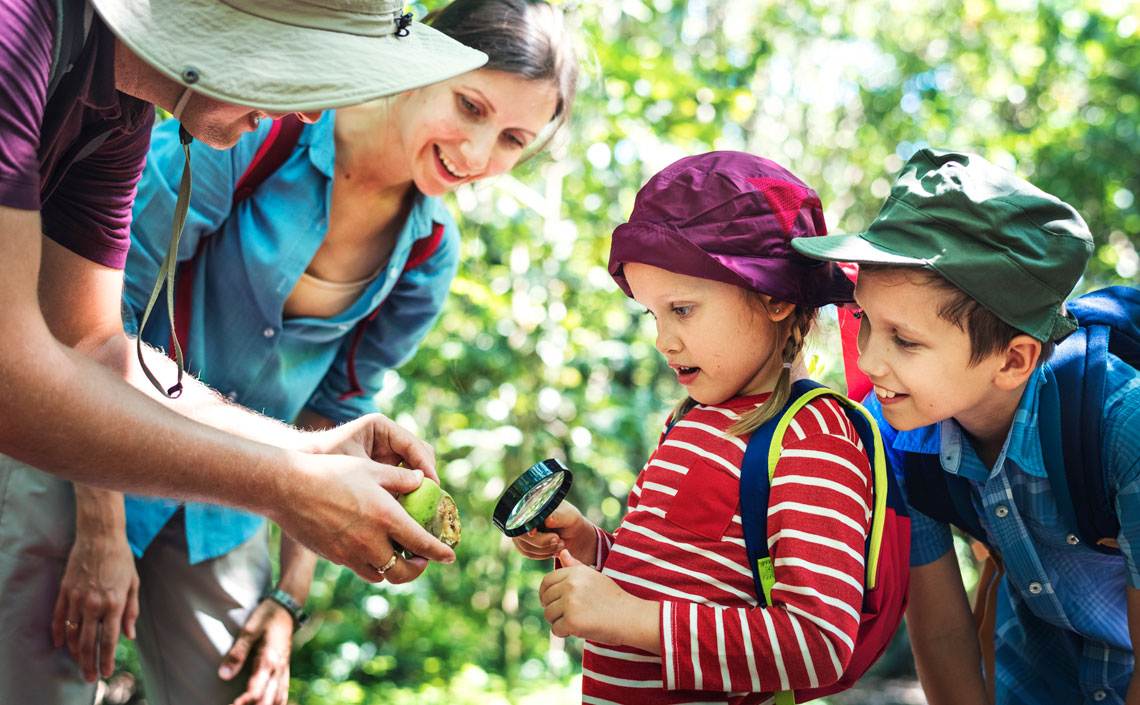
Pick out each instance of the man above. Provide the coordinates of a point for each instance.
(70, 156)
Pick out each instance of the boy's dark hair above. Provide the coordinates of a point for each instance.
(988, 333)
(525, 38)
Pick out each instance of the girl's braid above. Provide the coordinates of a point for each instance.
(802, 319)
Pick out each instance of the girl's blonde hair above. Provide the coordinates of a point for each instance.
(799, 323)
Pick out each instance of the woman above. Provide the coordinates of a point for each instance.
(299, 297)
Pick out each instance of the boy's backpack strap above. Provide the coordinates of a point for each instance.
(279, 144)
(927, 487)
(1071, 405)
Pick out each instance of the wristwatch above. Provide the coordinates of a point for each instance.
(291, 606)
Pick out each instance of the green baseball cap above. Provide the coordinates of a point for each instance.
(1013, 248)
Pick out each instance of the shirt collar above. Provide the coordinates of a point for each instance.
(319, 139)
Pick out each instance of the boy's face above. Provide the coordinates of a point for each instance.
(719, 340)
(918, 361)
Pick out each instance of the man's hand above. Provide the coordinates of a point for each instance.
(565, 528)
(579, 601)
(98, 597)
(345, 510)
(268, 635)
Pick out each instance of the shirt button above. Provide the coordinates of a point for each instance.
(1072, 539)
(269, 332)
(1099, 695)
(1001, 511)
(1035, 588)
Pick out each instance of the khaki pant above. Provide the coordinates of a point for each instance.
(37, 528)
(189, 614)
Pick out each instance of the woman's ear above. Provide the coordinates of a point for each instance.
(1020, 360)
(776, 309)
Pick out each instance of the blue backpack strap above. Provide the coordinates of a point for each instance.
(927, 487)
(755, 487)
(759, 463)
(1073, 400)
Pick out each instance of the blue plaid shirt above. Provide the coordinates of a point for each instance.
(239, 342)
(1062, 629)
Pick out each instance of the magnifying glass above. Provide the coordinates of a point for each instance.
(532, 497)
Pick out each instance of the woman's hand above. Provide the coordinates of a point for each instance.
(268, 635)
(99, 594)
(579, 601)
(566, 529)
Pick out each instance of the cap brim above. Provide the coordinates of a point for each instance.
(249, 61)
(851, 248)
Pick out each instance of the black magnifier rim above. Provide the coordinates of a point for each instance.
(525, 483)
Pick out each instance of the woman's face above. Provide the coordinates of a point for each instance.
(472, 126)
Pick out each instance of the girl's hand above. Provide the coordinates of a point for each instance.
(566, 529)
(580, 601)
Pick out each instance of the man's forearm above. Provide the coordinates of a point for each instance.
(70, 416)
(197, 401)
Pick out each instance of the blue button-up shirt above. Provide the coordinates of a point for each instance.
(1062, 629)
(250, 261)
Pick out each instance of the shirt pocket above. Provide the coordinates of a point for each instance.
(706, 501)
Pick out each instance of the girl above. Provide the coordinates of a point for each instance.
(286, 318)
(667, 604)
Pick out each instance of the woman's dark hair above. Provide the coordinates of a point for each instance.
(526, 38)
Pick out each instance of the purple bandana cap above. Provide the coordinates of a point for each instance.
(730, 217)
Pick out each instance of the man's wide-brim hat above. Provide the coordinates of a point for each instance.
(730, 217)
(287, 55)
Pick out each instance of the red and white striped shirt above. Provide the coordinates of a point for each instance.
(682, 544)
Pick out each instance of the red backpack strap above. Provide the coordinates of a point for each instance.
(274, 151)
(278, 145)
(857, 383)
(421, 252)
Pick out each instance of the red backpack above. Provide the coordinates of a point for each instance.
(888, 543)
(278, 146)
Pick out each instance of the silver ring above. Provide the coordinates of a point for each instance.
(387, 566)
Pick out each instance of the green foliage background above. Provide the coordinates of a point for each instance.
(538, 354)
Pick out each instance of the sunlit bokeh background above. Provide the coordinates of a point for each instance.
(539, 355)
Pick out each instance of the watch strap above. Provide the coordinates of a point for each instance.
(290, 604)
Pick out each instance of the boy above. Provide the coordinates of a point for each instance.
(964, 274)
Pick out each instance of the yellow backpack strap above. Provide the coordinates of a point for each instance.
(879, 469)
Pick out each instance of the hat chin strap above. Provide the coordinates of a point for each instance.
(181, 104)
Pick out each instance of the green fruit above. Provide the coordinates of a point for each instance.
(435, 510)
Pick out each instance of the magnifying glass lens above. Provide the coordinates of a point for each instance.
(532, 497)
(534, 500)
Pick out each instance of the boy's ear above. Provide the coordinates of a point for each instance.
(1021, 357)
(778, 310)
